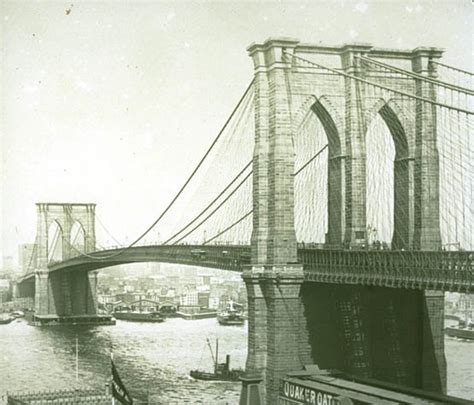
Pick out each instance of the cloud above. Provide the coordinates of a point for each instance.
(411, 9)
(353, 33)
(361, 7)
(81, 85)
(30, 88)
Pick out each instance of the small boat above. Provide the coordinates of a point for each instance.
(465, 327)
(463, 330)
(138, 316)
(459, 332)
(4, 320)
(222, 371)
(17, 314)
(232, 315)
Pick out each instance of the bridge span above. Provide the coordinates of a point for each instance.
(442, 271)
(369, 313)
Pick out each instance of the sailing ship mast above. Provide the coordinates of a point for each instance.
(217, 356)
(77, 359)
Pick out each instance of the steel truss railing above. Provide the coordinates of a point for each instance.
(423, 270)
(445, 271)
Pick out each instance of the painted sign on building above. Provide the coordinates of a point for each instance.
(291, 393)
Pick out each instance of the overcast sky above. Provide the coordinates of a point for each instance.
(113, 102)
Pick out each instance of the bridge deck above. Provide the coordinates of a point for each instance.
(443, 271)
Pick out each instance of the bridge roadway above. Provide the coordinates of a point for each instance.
(433, 270)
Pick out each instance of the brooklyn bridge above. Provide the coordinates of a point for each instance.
(338, 187)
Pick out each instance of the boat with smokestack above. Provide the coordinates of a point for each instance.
(232, 315)
(222, 371)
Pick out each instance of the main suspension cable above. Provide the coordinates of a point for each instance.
(163, 213)
(210, 204)
(215, 209)
(228, 228)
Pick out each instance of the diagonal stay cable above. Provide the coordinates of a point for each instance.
(210, 204)
(215, 209)
(228, 228)
(107, 231)
(418, 76)
(453, 68)
(163, 213)
(222, 203)
(249, 212)
(370, 83)
(310, 160)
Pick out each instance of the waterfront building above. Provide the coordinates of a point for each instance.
(5, 290)
(203, 299)
(189, 299)
(8, 266)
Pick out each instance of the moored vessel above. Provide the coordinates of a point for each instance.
(460, 332)
(138, 316)
(232, 315)
(465, 327)
(4, 320)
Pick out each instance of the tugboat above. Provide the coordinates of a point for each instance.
(222, 371)
(232, 315)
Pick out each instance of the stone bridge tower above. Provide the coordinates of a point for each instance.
(282, 309)
(71, 293)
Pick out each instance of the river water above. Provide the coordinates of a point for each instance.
(154, 360)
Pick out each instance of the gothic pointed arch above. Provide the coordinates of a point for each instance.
(395, 120)
(329, 118)
(327, 115)
(77, 237)
(55, 241)
(321, 109)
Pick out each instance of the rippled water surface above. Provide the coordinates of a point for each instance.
(154, 360)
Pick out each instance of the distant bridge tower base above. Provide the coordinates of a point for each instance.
(59, 295)
(24, 289)
(64, 231)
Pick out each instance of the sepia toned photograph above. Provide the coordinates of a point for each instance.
(229, 202)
